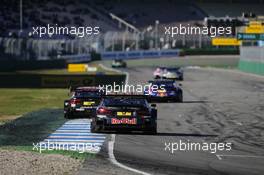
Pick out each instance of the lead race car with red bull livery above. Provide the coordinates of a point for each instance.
(122, 113)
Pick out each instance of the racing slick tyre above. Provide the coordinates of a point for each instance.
(95, 128)
(181, 78)
(67, 116)
(152, 131)
(180, 98)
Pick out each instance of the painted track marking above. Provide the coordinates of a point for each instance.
(115, 162)
(76, 132)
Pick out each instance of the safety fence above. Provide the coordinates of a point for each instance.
(54, 48)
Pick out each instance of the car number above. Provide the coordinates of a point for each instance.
(88, 103)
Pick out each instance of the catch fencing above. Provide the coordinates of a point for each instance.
(121, 41)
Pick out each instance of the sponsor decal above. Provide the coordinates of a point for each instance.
(124, 121)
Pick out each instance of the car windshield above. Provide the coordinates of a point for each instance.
(132, 102)
(84, 94)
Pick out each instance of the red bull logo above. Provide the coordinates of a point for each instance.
(124, 121)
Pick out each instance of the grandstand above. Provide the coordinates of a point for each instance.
(94, 13)
(145, 12)
(231, 8)
(140, 13)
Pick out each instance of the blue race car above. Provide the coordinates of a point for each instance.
(164, 90)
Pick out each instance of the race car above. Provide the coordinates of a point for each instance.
(173, 73)
(123, 113)
(118, 63)
(83, 102)
(158, 72)
(164, 90)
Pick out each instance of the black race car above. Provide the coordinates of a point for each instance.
(125, 113)
(83, 102)
(164, 90)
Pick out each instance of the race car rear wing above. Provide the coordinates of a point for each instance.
(129, 95)
(133, 95)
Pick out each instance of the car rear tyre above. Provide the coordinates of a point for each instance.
(95, 128)
(67, 116)
(180, 98)
(152, 131)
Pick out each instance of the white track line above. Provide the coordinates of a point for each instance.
(236, 71)
(111, 143)
(112, 158)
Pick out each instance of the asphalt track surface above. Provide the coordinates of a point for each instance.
(218, 107)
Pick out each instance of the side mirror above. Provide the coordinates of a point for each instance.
(153, 105)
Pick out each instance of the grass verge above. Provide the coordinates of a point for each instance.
(220, 61)
(16, 102)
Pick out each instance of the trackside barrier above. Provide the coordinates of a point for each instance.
(77, 58)
(122, 55)
(23, 80)
(77, 67)
(139, 54)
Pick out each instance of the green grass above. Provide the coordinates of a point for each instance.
(203, 61)
(21, 101)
